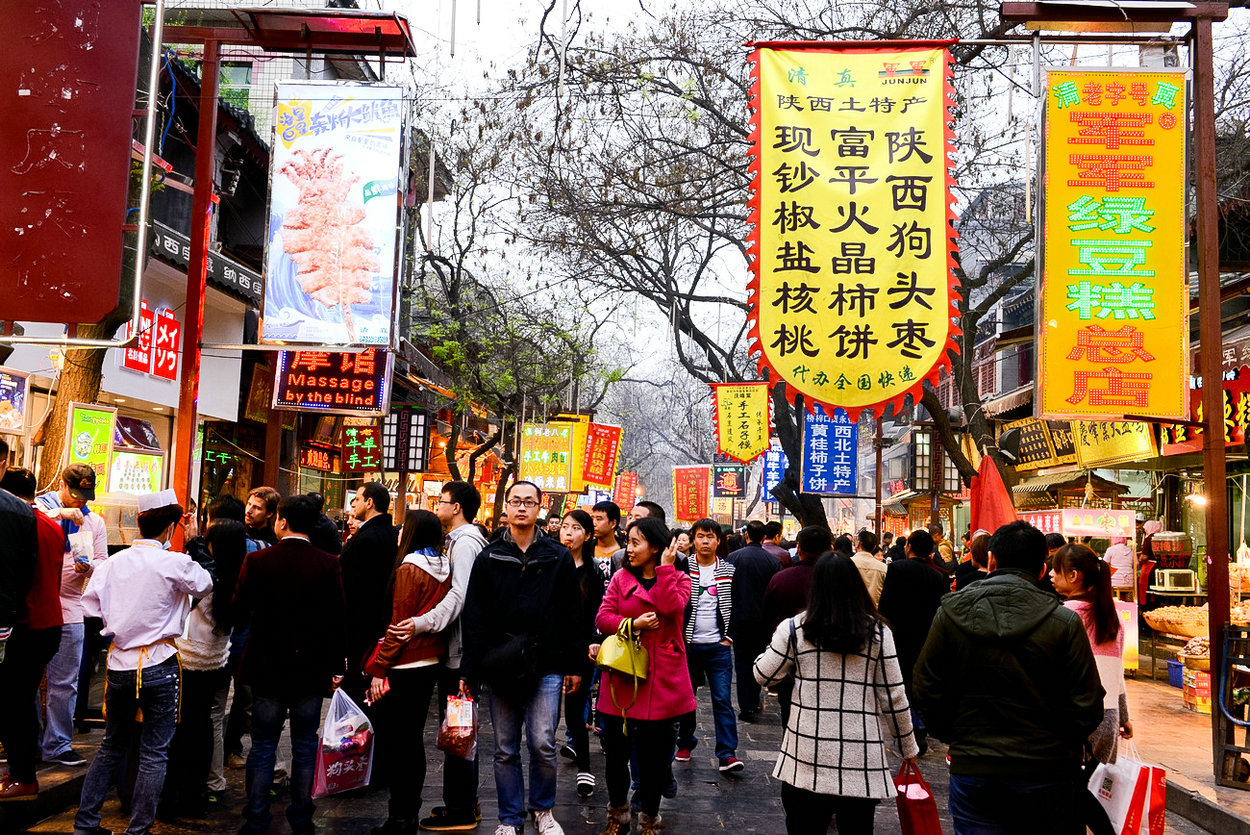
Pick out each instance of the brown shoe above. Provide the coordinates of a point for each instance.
(648, 825)
(12, 790)
(618, 821)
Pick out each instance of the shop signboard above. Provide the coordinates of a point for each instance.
(1178, 439)
(90, 437)
(1099, 523)
(1114, 321)
(1035, 446)
(547, 455)
(742, 418)
(316, 458)
(138, 355)
(405, 433)
(626, 493)
(14, 392)
(362, 448)
(334, 204)
(171, 245)
(692, 487)
(155, 349)
(729, 481)
(1046, 521)
(139, 472)
(341, 383)
(259, 394)
(1062, 441)
(852, 285)
(830, 454)
(775, 464)
(1102, 443)
(603, 446)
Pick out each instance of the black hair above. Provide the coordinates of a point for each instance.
(936, 529)
(1019, 545)
(582, 518)
(654, 531)
(771, 529)
(464, 494)
(610, 508)
(20, 482)
(755, 531)
(1055, 541)
(299, 513)
(421, 530)
(814, 540)
(706, 524)
(508, 493)
(318, 500)
(376, 491)
(921, 543)
(842, 545)
(227, 540)
(227, 507)
(653, 510)
(1095, 585)
(867, 541)
(153, 522)
(841, 616)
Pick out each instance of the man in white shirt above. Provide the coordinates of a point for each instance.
(143, 596)
(67, 506)
(870, 568)
(1119, 556)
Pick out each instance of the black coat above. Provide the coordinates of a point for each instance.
(325, 535)
(296, 643)
(368, 559)
(753, 568)
(911, 595)
(19, 549)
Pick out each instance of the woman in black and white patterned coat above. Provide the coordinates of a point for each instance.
(848, 696)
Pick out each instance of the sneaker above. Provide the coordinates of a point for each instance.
(505, 829)
(69, 757)
(648, 825)
(585, 784)
(732, 765)
(568, 752)
(682, 755)
(10, 789)
(236, 761)
(546, 824)
(748, 716)
(442, 819)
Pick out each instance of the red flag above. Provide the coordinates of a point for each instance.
(991, 503)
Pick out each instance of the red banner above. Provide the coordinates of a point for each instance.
(166, 337)
(1178, 440)
(692, 487)
(626, 493)
(603, 444)
(139, 355)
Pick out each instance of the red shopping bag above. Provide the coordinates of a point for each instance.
(345, 751)
(1156, 804)
(917, 807)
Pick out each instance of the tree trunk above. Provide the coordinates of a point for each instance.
(808, 510)
(479, 452)
(453, 442)
(950, 444)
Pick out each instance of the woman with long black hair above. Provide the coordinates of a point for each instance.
(577, 533)
(842, 657)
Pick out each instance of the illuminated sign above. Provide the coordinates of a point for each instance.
(135, 472)
(728, 481)
(362, 449)
(340, 383)
(315, 458)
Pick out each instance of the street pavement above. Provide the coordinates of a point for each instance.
(707, 801)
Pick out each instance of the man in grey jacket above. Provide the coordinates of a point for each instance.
(456, 508)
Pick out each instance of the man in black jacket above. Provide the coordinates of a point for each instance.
(522, 637)
(368, 559)
(753, 568)
(1008, 679)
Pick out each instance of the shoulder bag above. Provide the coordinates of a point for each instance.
(624, 654)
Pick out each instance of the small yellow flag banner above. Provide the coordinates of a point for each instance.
(740, 412)
(1115, 295)
(852, 287)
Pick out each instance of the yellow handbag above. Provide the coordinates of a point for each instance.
(623, 653)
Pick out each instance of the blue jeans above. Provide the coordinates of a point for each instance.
(158, 698)
(268, 713)
(539, 715)
(1020, 806)
(715, 662)
(63, 691)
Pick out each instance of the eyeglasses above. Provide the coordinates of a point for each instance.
(445, 501)
(526, 503)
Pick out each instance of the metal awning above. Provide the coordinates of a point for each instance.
(1010, 400)
(323, 31)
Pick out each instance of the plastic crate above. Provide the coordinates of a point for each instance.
(1176, 673)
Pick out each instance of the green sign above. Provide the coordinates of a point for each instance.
(90, 438)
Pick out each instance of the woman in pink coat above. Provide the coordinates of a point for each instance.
(651, 592)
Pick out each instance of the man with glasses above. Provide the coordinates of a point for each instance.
(521, 636)
(367, 561)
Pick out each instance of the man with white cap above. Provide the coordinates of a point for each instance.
(143, 595)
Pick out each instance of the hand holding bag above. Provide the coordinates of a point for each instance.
(917, 807)
(623, 654)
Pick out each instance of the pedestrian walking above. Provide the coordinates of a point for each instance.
(638, 714)
(789, 592)
(871, 568)
(142, 596)
(973, 568)
(848, 696)
(753, 567)
(1008, 680)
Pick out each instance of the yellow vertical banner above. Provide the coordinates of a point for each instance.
(852, 288)
(743, 420)
(1114, 322)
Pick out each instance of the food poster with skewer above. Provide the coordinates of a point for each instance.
(333, 213)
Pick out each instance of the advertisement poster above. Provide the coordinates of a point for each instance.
(852, 285)
(691, 492)
(603, 445)
(90, 438)
(626, 492)
(775, 464)
(13, 394)
(830, 454)
(1114, 332)
(729, 481)
(743, 420)
(138, 473)
(547, 455)
(337, 161)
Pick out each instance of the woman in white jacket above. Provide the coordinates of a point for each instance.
(848, 696)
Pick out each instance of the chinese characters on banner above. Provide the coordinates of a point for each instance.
(1099, 444)
(626, 493)
(775, 464)
(547, 455)
(740, 413)
(138, 357)
(729, 481)
(362, 448)
(1181, 439)
(852, 286)
(603, 444)
(342, 383)
(691, 493)
(830, 454)
(156, 349)
(1099, 523)
(1115, 298)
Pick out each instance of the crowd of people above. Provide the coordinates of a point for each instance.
(266, 610)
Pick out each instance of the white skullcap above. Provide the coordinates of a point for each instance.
(153, 501)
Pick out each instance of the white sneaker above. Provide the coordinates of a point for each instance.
(505, 829)
(547, 824)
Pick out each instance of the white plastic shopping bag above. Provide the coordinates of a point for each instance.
(1124, 790)
(345, 755)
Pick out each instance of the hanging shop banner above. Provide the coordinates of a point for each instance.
(729, 481)
(775, 464)
(138, 356)
(547, 455)
(14, 391)
(852, 286)
(1062, 441)
(1179, 439)
(626, 493)
(740, 413)
(1094, 522)
(316, 458)
(155, 349)
(603, 445)
(1035, 449)
(1100, 444)
(336, 383)
(334, 206)
(362, 448)
(691, 493)
(1046, 521)
(1114, 321)
(90, 438)
(830, 454)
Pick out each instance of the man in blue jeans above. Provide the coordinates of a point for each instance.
(522, 637)
(709, 652)
(141, 595)
(295, 654)
(1007, 678)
